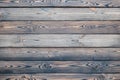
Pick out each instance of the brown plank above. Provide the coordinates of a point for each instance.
(60, 77)
(60, 54)
(60, 40)
(59, 13)
(59, 3)
(32, 67)
(87, 27)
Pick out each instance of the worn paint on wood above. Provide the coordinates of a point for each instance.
(59, 54)
(60, 40)
(59, 3)
(59, 13)
(60, 77)
(32, 67)
(112, 27)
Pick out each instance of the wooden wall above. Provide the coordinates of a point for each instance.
(59, 39)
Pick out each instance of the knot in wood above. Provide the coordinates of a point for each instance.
(25, 1)
(97, 67)
(45, 66)
(21, 78)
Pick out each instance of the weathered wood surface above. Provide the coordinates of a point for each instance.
(60, 3)
(33, 67)
(59, 13)
(59, 54)
(60, 40)
(60, 77)
(112, 27)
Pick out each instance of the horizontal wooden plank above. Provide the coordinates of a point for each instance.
(59, 13)
(60, 3)
(87, 27)
(59, 40)
(59, 54)
(60, 77)
(32, 67)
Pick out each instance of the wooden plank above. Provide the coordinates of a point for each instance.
(60, 40)
(33, 67)
(60, 77)
(59, 14)
(59, 54)
(112, 27)
(60, 3)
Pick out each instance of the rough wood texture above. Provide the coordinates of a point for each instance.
(60, 77)
(60, 27)
(59, 54)
(59, 13)
(32, 67)
(60, 3)
(59, 40)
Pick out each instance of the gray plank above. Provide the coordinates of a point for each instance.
(60, 40)
(33, 67)
(60, 13)
(60, 77)
(59, 3)
(112, 27)
(59, 54)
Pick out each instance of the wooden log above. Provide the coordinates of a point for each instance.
(59, 13)
(59, 54)
(60, 40)
(60, 77)
(33, 67)
(87, 27)
(59, 3)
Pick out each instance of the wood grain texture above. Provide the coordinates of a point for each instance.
(59, 3)
(92, 27)
(33, 67)
(60, 77)
(60, 40)
(59, 54)
(59, 13)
